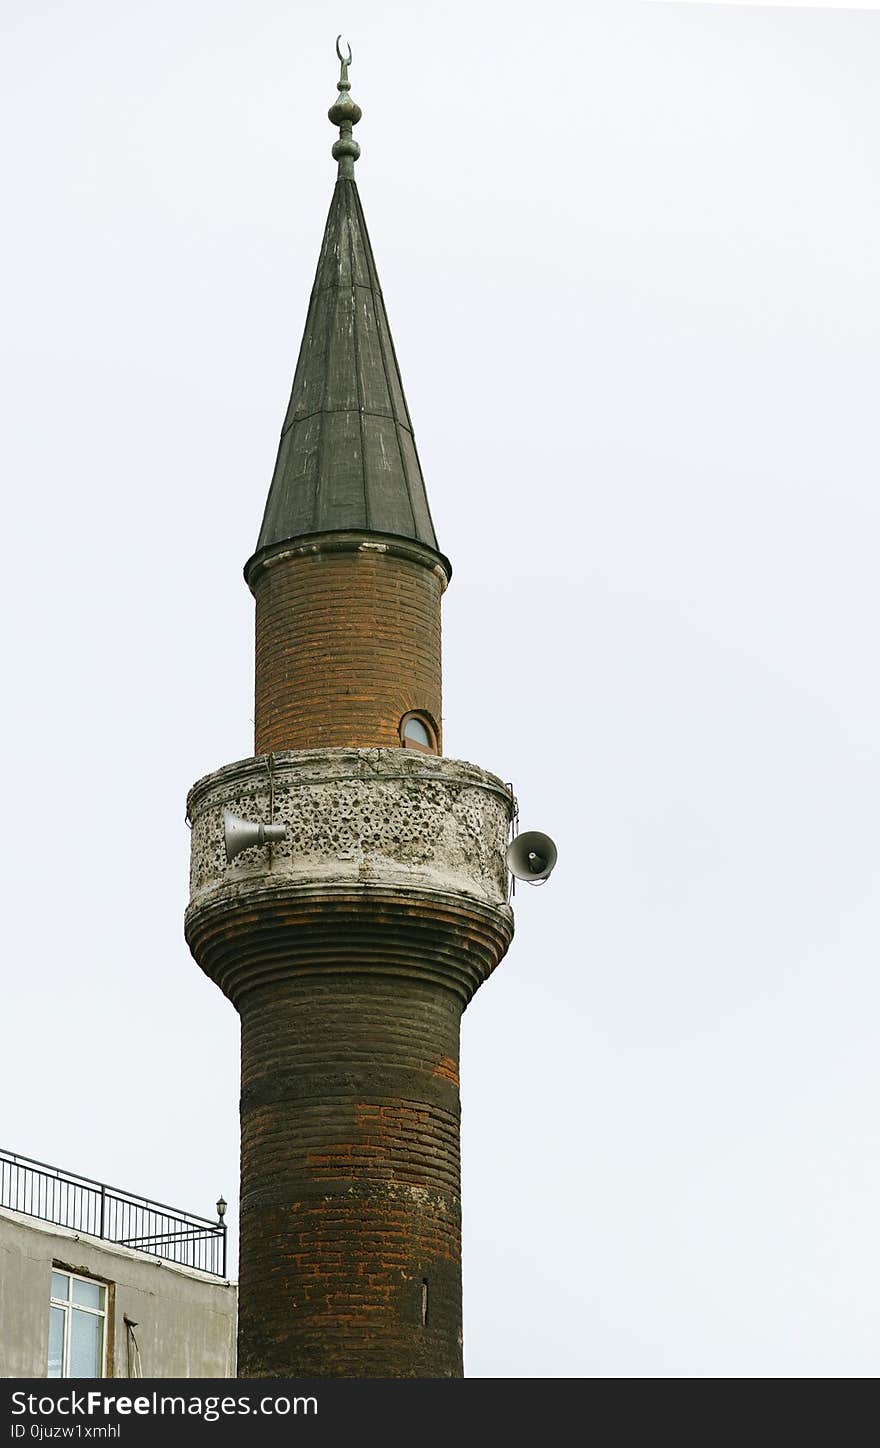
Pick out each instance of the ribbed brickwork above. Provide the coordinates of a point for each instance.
(347, 642)
(350, 1006)
(350, 1207)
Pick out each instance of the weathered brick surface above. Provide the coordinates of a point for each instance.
(346, 644)
(350, 1004)
(350, 982)
(350, 1180)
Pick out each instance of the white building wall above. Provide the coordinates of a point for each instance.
(186, 1320)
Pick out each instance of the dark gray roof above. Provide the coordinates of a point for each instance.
(347, 458)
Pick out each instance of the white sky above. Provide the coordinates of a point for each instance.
(783, 4)
(629, 253)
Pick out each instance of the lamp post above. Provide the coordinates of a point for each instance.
(221, 1214)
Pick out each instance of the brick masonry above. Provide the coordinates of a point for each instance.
(350, 953)
(347, 642)
(351, 1209)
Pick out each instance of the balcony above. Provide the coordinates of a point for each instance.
(110, 1214)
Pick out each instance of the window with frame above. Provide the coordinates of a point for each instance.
(417, 731)
(77, 1326)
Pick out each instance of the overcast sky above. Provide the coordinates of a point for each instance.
(629, 253)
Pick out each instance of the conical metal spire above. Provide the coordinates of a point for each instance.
(347, 459)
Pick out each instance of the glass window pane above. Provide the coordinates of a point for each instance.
(60, 1285)
(415, 729)
(88, 1294)
(56, 1341)
(86, 1339)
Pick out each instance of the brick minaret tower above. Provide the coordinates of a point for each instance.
(351, 946)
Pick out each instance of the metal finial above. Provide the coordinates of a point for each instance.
(345, 113)
(344, 63)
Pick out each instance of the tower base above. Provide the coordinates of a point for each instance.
(350, 951)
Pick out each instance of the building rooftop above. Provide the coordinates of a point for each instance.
(111, 1214)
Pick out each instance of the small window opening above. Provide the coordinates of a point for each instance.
(424, 1302)
(415, 729)
(77, 1326)
(417, 732)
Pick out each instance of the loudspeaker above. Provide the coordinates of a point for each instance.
(531, 856)
(239, 834)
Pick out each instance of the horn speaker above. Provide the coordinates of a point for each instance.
(531, 856)
(239, 834)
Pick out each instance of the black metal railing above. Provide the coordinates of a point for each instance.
(113, 1215)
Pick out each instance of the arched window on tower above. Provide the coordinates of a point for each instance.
(417, 731)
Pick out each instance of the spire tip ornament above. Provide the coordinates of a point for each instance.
(345, 113)
(345, 62)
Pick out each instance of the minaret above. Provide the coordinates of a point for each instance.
(352, 934)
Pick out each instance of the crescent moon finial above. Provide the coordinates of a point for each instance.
(345, 113)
